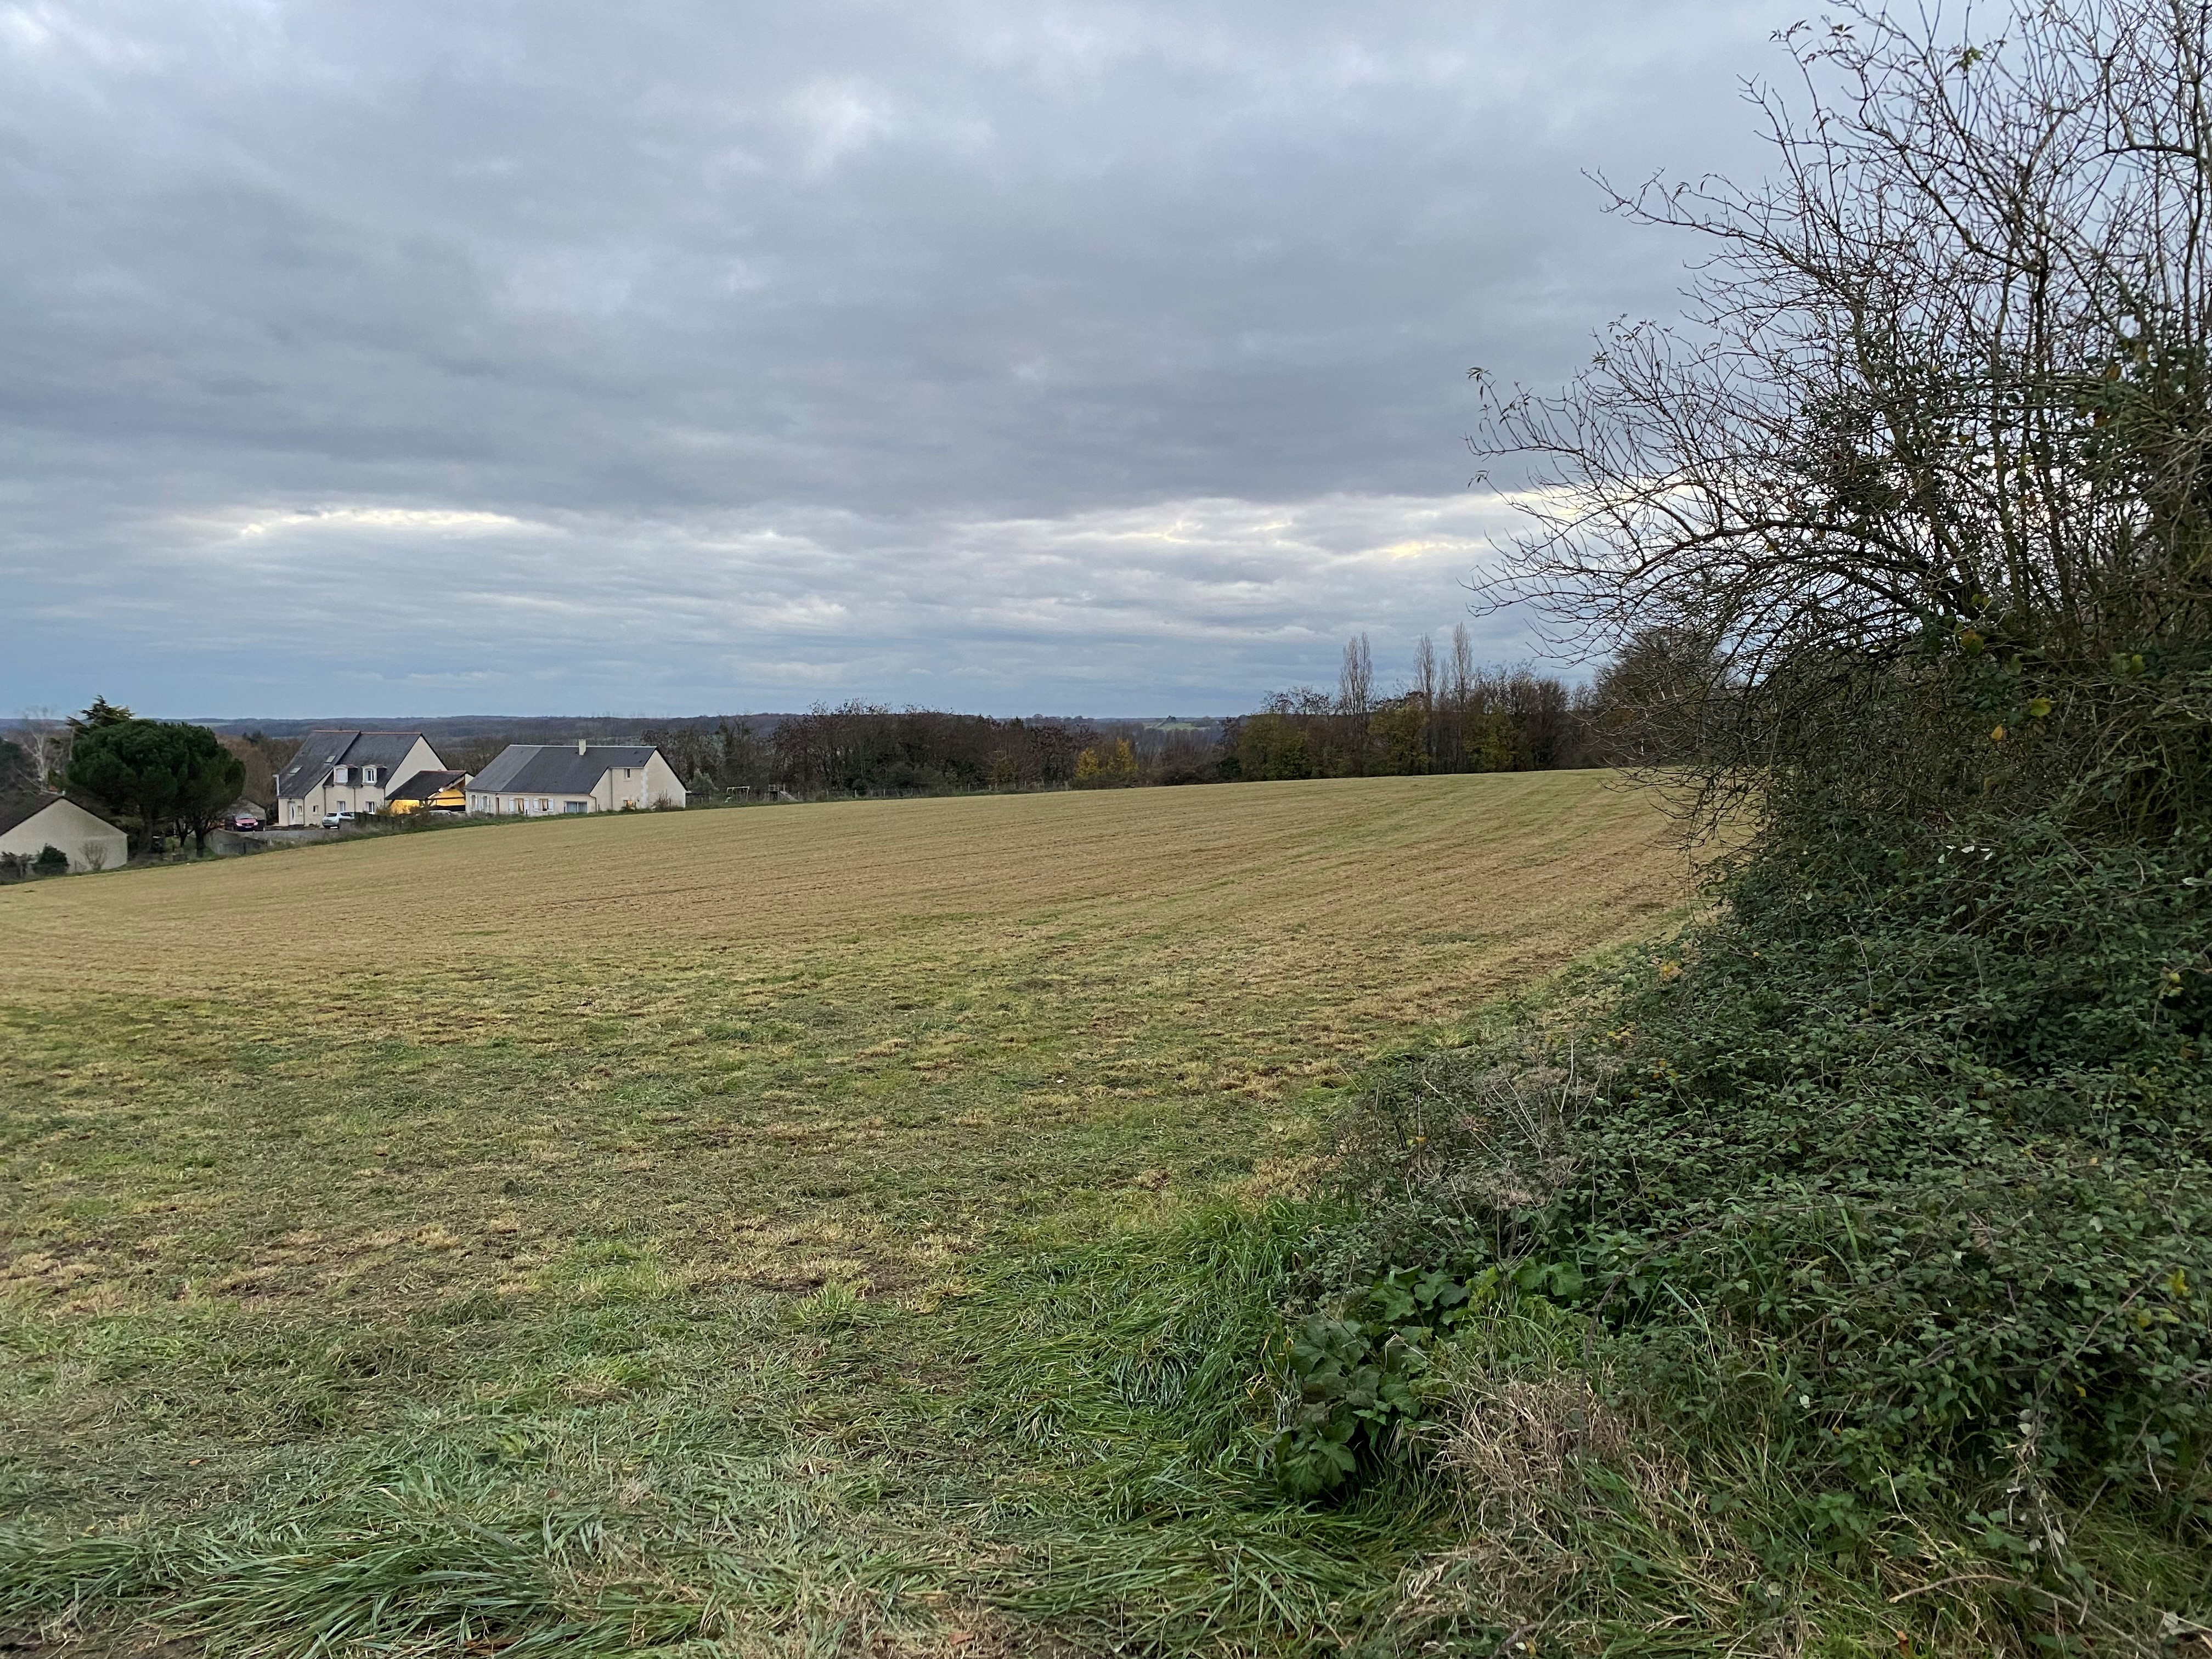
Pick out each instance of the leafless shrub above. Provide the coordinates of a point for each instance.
(1943, 401)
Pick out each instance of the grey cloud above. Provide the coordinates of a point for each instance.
(809, 350)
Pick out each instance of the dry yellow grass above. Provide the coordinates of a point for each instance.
(1458, 883)
(850, 1023)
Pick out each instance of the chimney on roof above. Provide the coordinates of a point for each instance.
(580, 742)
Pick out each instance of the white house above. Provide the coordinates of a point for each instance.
(29, 826)
(349, 772)
(584, 777)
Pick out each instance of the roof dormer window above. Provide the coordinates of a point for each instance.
(372, 774)
(342, 775)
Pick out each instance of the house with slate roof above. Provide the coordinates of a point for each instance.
(349, 772)
(530, 779)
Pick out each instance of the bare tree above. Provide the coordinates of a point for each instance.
(46, 739)
(1355, 681)
(1355, 697)
(1927, 462)
(1651, 706)
(1459, 696)
(1424, 692)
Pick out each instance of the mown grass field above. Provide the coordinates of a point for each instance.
(602, 1227)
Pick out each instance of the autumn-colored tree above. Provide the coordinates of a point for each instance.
(1109, 766)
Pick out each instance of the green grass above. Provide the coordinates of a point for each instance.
(786, 1232)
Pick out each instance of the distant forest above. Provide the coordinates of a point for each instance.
(1450, 715)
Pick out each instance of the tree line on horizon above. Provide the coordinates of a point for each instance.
(1451, 715)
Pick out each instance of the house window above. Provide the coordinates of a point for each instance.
(543, 804)
(573, 805)
(342, 775)
(372, 774)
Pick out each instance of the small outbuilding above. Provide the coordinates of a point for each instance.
(430, 792)
(31, 823)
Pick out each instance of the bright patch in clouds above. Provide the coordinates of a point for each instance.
(391, 520)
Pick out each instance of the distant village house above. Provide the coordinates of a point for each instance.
(528, 778)
(350, 772)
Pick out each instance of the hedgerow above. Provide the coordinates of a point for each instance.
(1901, 1164)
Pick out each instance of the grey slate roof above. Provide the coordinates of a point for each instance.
(321, 751)
(531, 768)
(23, 808)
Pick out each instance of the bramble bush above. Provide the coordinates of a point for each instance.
(1928, 1124)
(1920, 1131)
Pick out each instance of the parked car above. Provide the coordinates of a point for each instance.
(247, 821)
(339, 820)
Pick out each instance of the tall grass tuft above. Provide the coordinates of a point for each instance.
(1137, 1370)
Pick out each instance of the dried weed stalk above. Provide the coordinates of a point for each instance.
(1553, 1477)
(1466, 1145)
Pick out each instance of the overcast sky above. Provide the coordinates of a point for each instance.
(400, 357)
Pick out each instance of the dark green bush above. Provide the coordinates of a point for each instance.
(1357, 1376)
(1928, 1124)
(50, 861)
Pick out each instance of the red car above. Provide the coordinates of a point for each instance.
(246, 821)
